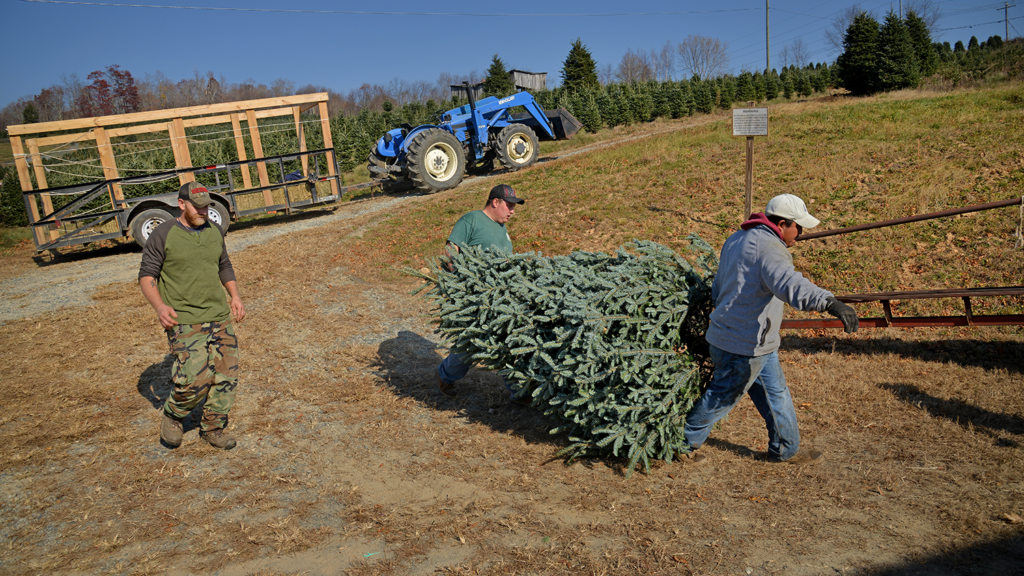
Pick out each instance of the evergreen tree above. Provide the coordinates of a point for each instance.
(590, 114)
(703, 99)
(787, 87)
(921, 39)
(857, 64)
(817, 81)
(609, 344)
(958, 48)
(12, 203)
(803, 83)
(29, 114)
(623, 107)
(995, 42)
(772, 86)
(641, 104)
(498, 82)
(745, 88)
(727, 92)
(662, 94)
(579, 71)
(897, 63)
(972, 44)
(606, 105)
(682, 100)
(826, 76)
(760, 87)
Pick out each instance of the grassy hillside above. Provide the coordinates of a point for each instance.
(854, 160)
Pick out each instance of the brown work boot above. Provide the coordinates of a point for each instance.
(691, 457)
(218, 439)
(170, 431)
(445, 388)
(806, 455)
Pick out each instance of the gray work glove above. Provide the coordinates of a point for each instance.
(844, 312)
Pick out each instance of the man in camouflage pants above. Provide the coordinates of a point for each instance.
(184, 266)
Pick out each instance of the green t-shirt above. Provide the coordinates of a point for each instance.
(477, 229)
(190, 267)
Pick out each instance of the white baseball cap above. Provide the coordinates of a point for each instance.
(791, 208)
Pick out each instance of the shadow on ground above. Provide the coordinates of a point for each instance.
(408, 363)
(988, 355)
(963, 414)
(994, 558)
(155, 386)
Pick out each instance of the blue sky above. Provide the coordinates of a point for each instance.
(44, 40)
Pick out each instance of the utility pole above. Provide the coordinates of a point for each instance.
(1006, 18)
(767, 42)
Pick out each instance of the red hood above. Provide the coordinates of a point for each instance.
(759, 218)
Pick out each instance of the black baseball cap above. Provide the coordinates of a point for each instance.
(195, 193)
(506, 193)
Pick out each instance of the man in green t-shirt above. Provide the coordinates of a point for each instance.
(478, 228)
(184, 266)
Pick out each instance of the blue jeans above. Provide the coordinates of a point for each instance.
(453, 369)
(762, 378)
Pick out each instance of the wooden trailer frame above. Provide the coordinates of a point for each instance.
(174, 122)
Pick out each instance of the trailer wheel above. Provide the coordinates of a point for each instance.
(146, 222)
(220, 216)
(517, 147)
(435, 160)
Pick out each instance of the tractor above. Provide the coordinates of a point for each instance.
(434, 157)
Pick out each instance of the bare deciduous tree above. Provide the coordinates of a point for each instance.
(605, 74)
(703, 56)
(664, 61)
(794, 54)
(927, 10)
(836, 33)
(634, 67)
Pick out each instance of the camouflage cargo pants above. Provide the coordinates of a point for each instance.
(205, 368)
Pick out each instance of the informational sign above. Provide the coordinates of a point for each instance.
(749, 121)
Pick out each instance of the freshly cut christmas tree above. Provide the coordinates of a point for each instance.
(610, 344)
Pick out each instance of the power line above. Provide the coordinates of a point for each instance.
(982, 24)
(391, 13)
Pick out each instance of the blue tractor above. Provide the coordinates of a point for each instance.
(434, 157)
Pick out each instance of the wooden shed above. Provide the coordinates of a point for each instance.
(459, 91)
(533, 81)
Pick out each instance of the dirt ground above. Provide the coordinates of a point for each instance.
(350, 462)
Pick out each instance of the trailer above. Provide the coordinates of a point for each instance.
(109, 208)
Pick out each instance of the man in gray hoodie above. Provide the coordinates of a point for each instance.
(755, 278)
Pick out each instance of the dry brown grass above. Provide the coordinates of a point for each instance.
(350, 462)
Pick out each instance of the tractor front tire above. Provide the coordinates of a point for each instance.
(435, 160)
(517, 147)
(375, 160)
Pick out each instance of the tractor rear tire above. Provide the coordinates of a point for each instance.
(517, 147)
(146, 222)
(435, 160)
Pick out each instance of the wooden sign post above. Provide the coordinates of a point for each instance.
(750, 122)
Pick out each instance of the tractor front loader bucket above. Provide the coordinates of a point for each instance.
(563, 124)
